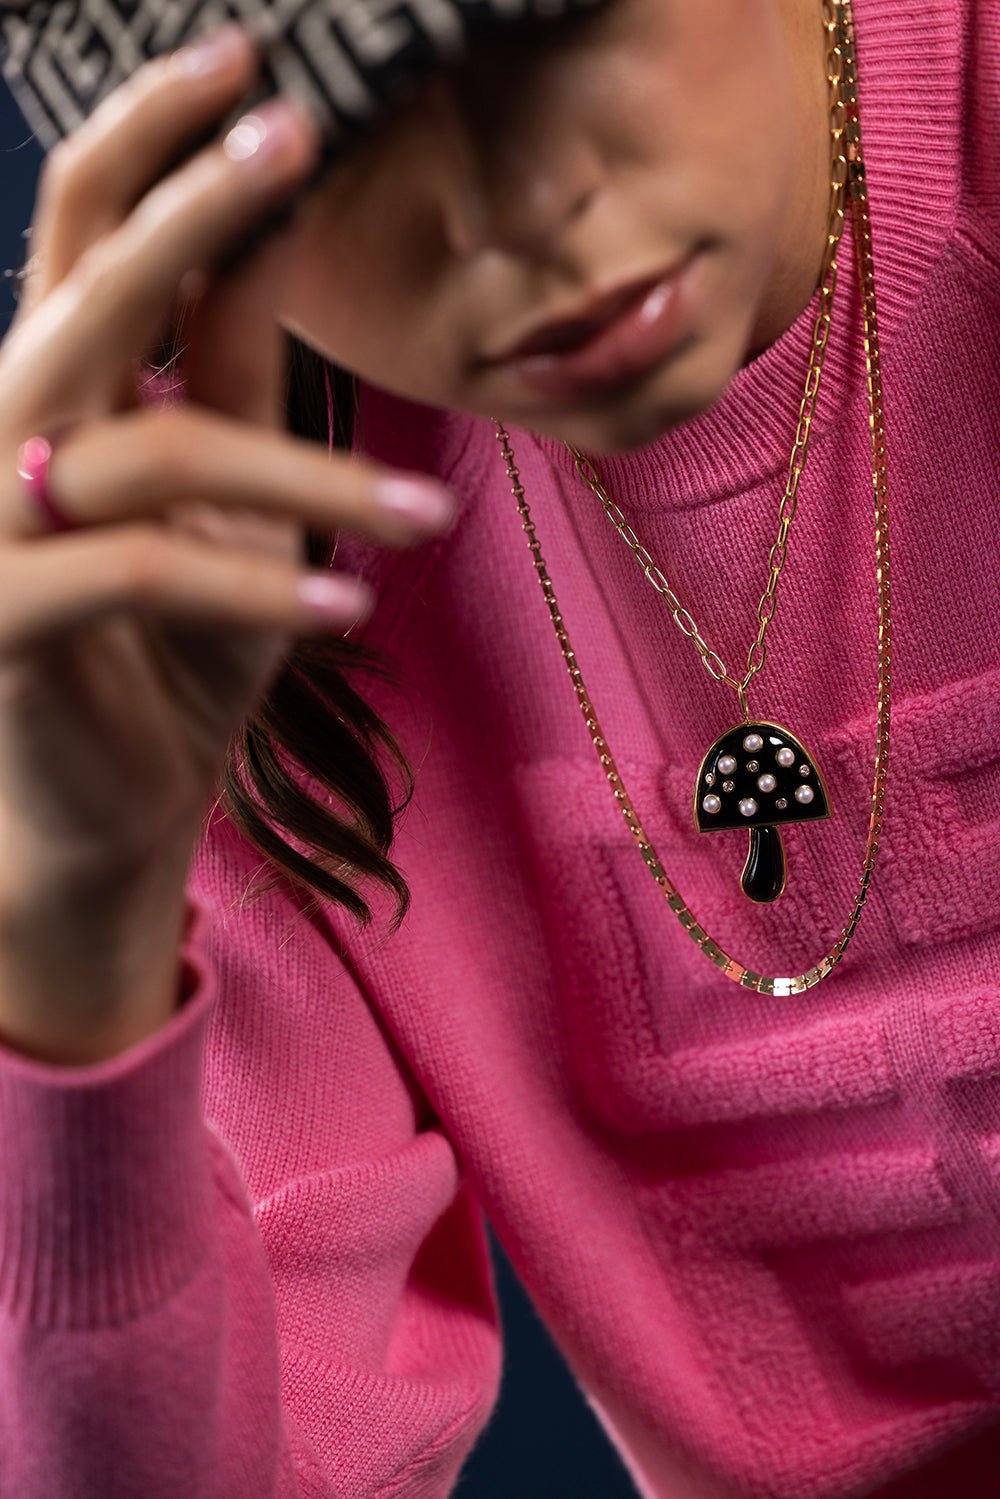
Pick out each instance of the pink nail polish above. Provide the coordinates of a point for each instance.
(420, 501)
(336, 600)
(258, 136)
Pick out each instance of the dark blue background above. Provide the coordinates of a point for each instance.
(543, 1442)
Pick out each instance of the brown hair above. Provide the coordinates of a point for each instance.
(315, 719)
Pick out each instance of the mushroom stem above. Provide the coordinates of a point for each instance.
(766, 870)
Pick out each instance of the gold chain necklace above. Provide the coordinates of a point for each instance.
(757, 759)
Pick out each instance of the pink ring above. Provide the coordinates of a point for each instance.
(33, 458)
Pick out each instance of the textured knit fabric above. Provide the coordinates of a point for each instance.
(246, 1258)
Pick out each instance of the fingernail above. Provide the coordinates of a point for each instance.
(419, 501)
(336, 600)
(258, 136)
(214, 50)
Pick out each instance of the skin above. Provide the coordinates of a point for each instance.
(508, 192)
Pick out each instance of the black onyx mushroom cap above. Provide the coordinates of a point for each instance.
(747, 759)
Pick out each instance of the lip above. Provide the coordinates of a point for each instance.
(618, 337)
(556, 335)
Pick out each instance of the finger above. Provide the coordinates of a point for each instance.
(244, 529)
(234, 361)
(91, 181)
(111, 305)
(71, 581)
(142, 463)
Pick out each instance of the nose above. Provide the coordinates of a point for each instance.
(510, 186)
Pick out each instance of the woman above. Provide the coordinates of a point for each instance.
(243, 1247)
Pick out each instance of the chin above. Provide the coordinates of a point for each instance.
(686, 389)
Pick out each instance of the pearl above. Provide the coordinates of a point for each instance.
(712, 804)
(753, 742)
(782, 804)
(727, 765)
(748, 806)
(785, 757)
(766, 783)
(804, 794)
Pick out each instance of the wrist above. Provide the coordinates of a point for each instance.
(83, 976)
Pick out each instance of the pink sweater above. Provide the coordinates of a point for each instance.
(246, 1258)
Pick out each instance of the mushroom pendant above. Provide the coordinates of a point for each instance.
(760, 777)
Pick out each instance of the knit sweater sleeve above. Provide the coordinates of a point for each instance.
(238, 1259)
(979, 209)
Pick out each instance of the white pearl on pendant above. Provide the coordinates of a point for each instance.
(748, 807)
(766, 783)
(753, 742)
(727, 765)
(785, 757)
(804, 794)
(712, 804)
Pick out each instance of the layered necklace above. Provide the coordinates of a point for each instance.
(758, 775)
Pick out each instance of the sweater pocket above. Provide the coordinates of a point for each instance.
(641, 1006)
(657, 1038)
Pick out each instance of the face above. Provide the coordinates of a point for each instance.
(585, 236)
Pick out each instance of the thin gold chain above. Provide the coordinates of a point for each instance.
(838, 21)
(778, 556)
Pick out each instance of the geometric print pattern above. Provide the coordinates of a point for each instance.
(847, 1291)
(346, 59)
(820, 1181)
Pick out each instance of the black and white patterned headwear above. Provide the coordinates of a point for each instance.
(348, 59)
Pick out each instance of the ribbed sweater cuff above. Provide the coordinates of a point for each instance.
(106, 1202)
